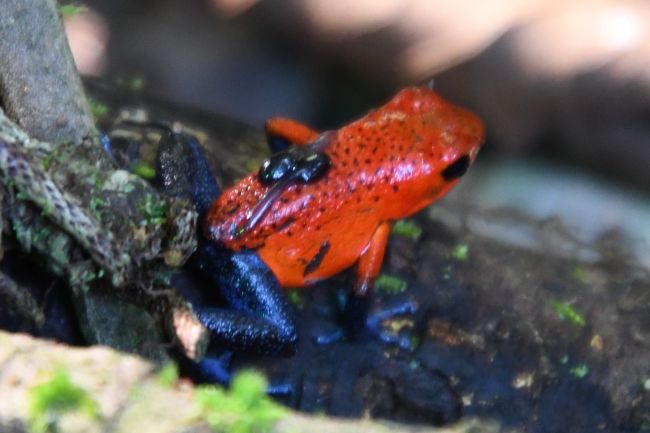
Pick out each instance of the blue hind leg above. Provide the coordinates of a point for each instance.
(257, 318)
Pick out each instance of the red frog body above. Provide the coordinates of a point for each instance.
(389, 164)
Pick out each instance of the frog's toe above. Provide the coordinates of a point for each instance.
(394, 323)
(327, 333)
(211, 369)
(124, 153)
(280, 389)
(391, 323)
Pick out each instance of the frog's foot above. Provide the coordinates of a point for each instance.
(328, 333)
(215, 368)
(248, 333)
(123, 151)
(259, 320)
(389, 323)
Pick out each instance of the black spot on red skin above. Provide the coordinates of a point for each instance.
(286, 224)
(316, 261)
(232, 208)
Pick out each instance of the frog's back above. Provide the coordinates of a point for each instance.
(384, 166)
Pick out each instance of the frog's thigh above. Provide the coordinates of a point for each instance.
(288, 130)
(369, 264)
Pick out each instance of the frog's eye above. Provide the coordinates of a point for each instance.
(313, 167)
(456, 169)
(275, 168)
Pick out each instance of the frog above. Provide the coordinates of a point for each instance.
(320, 204)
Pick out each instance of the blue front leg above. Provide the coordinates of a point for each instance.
(258, 318)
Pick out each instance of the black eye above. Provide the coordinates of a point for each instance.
(456, 169)
(312, 167)
(275, 168)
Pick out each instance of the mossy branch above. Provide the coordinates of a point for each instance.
(61, 196)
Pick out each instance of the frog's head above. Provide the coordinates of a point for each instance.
(452, 134)
(436, 141)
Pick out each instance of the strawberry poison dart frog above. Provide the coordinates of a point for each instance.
(322, 203)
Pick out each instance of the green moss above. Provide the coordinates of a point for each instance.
(136, 83)
(579, 273)
(59, 248)
(447, 272)
(71, 9)
(97, 109)
(51, 400)
(245, 408)
(163, 275)
(580, 370)
(414, 342)
(154, 210)
(96, 204)
(143, 170)
(390, 284)
(92, 276)
(566, 312)
(168, 375)
(460, 252)
(295, 297)
(407, 229)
